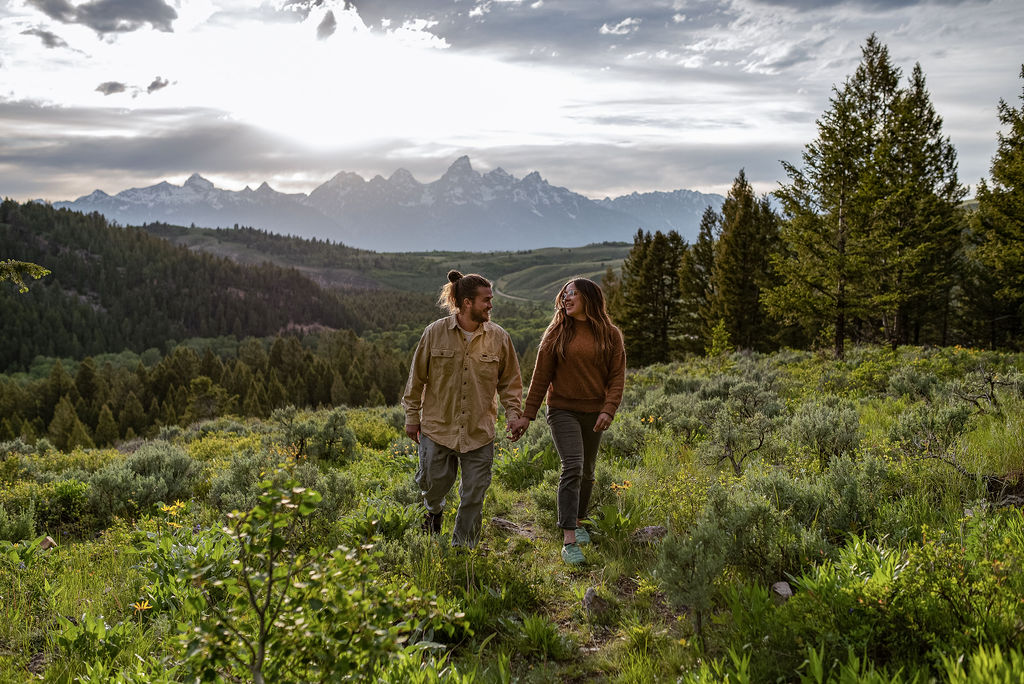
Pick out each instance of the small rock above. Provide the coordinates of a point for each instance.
(509, 527)
(47, 544)
(781, 592)
(594, 604)
(649, 535)
(37, 663)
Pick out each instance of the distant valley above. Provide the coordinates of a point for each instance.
(463, 210)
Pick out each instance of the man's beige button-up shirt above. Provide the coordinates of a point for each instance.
(454, 384)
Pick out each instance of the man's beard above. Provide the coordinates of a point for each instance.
(479, 315)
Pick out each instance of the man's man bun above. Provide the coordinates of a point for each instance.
(453, 276)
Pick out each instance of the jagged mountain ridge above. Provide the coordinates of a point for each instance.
(461, 210)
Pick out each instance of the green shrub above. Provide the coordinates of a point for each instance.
(372, 427)
(828, 429)
(20, 526)
(64, 504)
(157, 471)
(287, 616)
(333, 441)
(379, 517)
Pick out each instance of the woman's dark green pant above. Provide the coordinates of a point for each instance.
(576, 443)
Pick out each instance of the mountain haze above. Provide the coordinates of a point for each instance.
(462, 210)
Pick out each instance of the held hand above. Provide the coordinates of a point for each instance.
(414, 432)
(517, 428)
(602, 423)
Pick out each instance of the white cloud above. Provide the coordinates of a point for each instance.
(623, 28)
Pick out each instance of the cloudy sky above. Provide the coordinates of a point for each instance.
(601, 96)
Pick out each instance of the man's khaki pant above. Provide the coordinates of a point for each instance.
(439, 467)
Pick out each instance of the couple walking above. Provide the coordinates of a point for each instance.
(464, 364)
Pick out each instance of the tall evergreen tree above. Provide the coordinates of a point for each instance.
(913, 227)
(649, 315)
(695, 268)
(741, 270)
(1000, 222)
(106, 428)
(825, 264)
(66, 430)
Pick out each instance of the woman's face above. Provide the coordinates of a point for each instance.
(572, 302)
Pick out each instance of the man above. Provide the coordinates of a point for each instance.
(462, 365)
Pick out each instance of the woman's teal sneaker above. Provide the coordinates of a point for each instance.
(582, 536)
(572, 555)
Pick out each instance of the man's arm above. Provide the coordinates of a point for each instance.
(412, 400)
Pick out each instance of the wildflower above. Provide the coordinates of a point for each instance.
(142, 605)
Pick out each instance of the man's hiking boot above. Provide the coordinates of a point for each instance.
(432, 522)
(582, 536)
(572, 555)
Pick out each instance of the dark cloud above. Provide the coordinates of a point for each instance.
(807, 5)
(31, 140)
(157, 84)
(327, 26)
(110, 16)
(50, 40)
(111, 87)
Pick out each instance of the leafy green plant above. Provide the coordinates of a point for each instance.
(91, 638)
(518, 469)
(289, 616)
(541, 638)
(20, 526)
(167, 557)
(986, 664)
(383, 518)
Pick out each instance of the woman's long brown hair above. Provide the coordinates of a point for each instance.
(560, 330)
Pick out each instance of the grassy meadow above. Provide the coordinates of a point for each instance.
(884, 491)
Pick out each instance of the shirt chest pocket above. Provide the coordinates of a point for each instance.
(485, 364)
(442, 361)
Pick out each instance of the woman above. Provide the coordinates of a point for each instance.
(581, 367)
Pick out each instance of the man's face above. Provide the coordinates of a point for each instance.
(480, 306)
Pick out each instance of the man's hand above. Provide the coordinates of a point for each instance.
(517, 427)
(602, 423)
(414, 432)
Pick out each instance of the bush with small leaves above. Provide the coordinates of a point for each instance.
(157, 471)
(18, 526)
(743, 427)
(333, 441)
(913, 382)
(829, 429)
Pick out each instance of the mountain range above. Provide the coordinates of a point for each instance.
(462, 210)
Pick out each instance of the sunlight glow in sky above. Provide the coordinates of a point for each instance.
(602, 96)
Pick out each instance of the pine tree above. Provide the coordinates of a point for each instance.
(1000, 222)
(106, 428)
(741, 269)
(825, 261)
(650, 296)
(66, 430)
(914, 228)
(695, 268)
(133, 416)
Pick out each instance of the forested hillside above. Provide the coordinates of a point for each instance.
(114, 288)
(515, 272)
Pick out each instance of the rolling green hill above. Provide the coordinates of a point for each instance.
(534, 274)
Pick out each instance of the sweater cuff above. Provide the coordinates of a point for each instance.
(609, 409)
